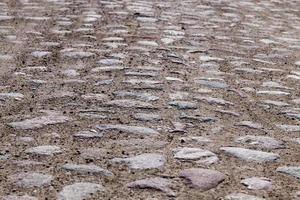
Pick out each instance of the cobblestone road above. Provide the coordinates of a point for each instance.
(181, 99)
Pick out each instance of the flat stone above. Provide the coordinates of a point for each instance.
(213, 100)
(15, 197)
(39, 122)
(79, 191)
(93, 153)
(11, 95)
(40, 54)
(70, 73)
(203, 179)
(183, 104)
(156, 183)
(128, 129)
(138, 95)
(88, 134)
(128, 103)
(143, 161)
(250, 155)
(87, 169)
(257, 183)
(241, 196)
(147, 117)
(195, 140)
(203, 156)
(78, 54)
(212, 84)
(250, 124)
(45, 150)
(262, 141)
(290, 170)
(31, 179)
(289, 128)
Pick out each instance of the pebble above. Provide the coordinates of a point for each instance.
(79, 191)
(203, 179)
(15, 197)
(203, 156)
(257, 183)
(290, 170)
(45, 150)
(156, 183)
(143, 161)
(183, 104)
(262, 141)
(39, 122)
(31, 179)
(250, 155)
(128, 129)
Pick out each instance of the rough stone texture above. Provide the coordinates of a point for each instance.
(31, 179)
(157, 183)
(143, 161)
(15, 197)
(79, 191)
(118, 80)
(290, 170)
(203, 179)
(251, 155)
(257, 183)
(90, 169)
(44, 150)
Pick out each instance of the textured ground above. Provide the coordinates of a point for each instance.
(181, 99)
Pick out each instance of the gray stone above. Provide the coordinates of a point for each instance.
(143, 161)
(39, 122)
(156, 183)
(290, 170)
(203, 179)
(203, 156)
(45, 150)
(31, 179)
(79, 191)
(250, 155)
(146, 117)
(128, 129)
(183, 104)
(15, 197)
(88, 134)
(257, 183)
(262, 141)
(250, 124)
(129, 103)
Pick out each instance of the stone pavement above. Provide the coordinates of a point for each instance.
(173, 99)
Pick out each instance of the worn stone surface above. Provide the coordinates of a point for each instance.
(145, 89)
(157, 183)
(257, 183)
(31, 179)
(251, 155)
(203, 179)
(79, 191)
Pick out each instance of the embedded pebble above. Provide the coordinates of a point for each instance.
(257, 183)
(143, 161)
(203, 179)
(31, 179)
(250, 155)
(79, 191)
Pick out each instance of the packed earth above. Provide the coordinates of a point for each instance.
(150, 100)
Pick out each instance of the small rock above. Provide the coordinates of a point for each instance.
(250, 124)
(157, 183)
(31, 179)
(143, 161)
(290, 170)
(201, 155)
(203, 179)
(128, 129)
(251, 155)
(257, 183)
(15, 197)
(263, 141)
(79, 191)
(183, 104)
(46, 150)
